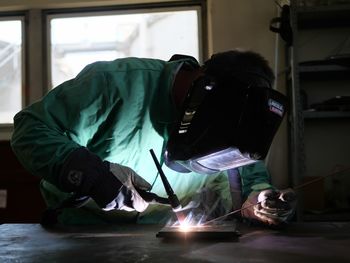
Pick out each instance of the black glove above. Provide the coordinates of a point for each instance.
(111, 186)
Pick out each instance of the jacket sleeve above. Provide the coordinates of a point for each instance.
(46, 132)
(254, 178)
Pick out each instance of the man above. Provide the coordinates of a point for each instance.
(91, 136)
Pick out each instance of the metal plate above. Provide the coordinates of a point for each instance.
(215, 232)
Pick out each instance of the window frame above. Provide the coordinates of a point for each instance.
(198, 5)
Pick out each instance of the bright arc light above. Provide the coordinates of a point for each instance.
(184, 227)
(187, 226)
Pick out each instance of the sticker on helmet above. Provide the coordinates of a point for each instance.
(276, 107)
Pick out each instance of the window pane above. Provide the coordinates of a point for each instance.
(78, 41)
(10, 69)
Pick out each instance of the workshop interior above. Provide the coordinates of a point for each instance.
(306, 43)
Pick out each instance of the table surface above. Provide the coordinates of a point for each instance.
(300, 242)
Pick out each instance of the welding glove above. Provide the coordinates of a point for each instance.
(271, 207)
(129, 197)
(110, 185)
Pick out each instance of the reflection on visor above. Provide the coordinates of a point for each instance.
(225, 159)
(219, 161)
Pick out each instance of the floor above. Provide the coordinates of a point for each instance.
(300, 242)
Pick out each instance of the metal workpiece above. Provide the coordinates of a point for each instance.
(219, 232)
(300, 242)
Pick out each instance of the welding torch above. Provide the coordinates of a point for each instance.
(173, 200)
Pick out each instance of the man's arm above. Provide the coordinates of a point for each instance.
(51, 140)
(255, 178)
(262, 202)
(46, 132)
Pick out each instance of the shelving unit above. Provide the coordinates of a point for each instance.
(323, 71)
(320, 139)
(326, 114)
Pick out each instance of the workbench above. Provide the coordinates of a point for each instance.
(300, 242)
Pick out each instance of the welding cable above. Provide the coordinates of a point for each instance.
(298, 187)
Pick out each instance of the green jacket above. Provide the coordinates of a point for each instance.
(118, 110)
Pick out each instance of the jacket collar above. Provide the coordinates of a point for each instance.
(163, 110)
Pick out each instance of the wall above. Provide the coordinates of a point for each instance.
(20, 199)
(245, 24)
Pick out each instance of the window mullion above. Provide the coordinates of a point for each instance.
(35, 53)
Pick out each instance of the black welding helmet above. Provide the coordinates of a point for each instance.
(228, 120)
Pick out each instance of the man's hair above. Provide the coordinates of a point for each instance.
(245, 66)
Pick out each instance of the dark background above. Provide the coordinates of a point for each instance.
(24, 201)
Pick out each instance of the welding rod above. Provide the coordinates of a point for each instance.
(173, 200)
(295, 188)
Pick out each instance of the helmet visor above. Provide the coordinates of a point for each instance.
(228, 158)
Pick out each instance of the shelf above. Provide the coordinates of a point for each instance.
(311, 114)
(323, 16)
(323, 71)
(320, 72)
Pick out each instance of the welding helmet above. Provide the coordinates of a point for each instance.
(229, 116)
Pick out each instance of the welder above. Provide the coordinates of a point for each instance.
(91, 135)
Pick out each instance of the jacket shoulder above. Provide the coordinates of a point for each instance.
(124, 65)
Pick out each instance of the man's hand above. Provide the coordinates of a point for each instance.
(129, 198)
(110, 185)
(271, 207)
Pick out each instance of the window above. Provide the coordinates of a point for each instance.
(11, 73)
(81, 39)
